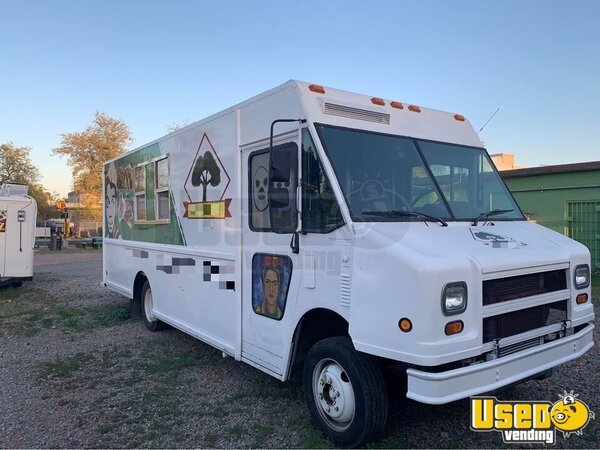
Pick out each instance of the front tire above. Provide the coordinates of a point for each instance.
(345, 392)
(147, 306)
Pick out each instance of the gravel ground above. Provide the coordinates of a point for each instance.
(77, 371)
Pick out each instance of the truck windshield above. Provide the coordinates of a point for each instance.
(384, 176)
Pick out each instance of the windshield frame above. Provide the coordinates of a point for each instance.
(423, 160)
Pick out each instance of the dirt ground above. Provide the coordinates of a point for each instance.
(77, 371)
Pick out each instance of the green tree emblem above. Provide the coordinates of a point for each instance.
(206, 171)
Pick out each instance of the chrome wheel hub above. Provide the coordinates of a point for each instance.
(148, 305)
(334, 395)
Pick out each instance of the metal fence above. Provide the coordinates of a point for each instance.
(584, 226)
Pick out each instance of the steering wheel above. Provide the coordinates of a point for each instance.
(383, 202)
(420, 196)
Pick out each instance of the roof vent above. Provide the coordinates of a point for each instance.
(356, 113)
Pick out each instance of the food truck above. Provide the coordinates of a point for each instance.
(314, 229)
(18, 214)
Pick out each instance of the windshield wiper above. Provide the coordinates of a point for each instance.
(493, 212)
(398, 213)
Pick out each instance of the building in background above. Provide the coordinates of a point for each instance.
(83, 227)
(565, 198)
(505, 161)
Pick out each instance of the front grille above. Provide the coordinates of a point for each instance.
(514, 348)
(516, 322)
(511, 288)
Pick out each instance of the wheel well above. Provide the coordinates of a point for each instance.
(315, 325)
(138, 283)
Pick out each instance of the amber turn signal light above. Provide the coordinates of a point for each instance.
(378, 101)
(316, 88)
(454, 327)
(581, 298)
(414, 108)
(397, 105)
(459, 117)
(405, 325)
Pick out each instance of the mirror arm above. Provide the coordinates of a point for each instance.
(273, 126)
(295, 242)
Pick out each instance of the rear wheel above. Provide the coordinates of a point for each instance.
(147, 306)
(345, 392)
(17, 284)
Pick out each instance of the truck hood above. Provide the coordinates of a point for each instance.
(498, 247)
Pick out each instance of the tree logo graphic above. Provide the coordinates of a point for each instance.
(206, 171)
(206, 184)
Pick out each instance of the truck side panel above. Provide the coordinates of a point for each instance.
(179, 247)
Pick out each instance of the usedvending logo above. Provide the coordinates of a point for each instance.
(530, 422)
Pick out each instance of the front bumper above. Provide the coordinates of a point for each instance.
(445, 387)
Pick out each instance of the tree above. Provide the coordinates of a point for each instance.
(16, 167)
(46, 202)
(206, 171)
(86, 151)
(177, 126)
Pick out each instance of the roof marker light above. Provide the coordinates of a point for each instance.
(316, 88)
(378, 101)
(397, 105)
(414, 108)
(459, 117)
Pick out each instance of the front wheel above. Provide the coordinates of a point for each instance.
(345, 392)
(147, 306)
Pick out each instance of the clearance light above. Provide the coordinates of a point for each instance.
(405, 325)
(397, 105)
(377, 101)
(414, 108)
(316, 88)
(454, 327)
(459, 117)
(581, 298)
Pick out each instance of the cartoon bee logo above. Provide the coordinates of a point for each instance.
(570, 415)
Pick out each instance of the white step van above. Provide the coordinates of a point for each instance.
(317, 228)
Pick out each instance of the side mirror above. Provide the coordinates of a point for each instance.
(283, 183)
(279, 198)
(280, 166)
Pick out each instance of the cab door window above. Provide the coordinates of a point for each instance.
(258, 207)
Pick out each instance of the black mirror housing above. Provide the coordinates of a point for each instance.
(282, 190)
(280, 166)
(279, 198)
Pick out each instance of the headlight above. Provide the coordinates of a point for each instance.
(582, 276)
(454, 298)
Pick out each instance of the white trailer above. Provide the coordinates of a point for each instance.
(18, 214)
(316, 228)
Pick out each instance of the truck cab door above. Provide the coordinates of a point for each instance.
(271, 270)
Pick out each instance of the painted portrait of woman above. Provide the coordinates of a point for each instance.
(270, 281)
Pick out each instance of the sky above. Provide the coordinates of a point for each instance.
(157, 63)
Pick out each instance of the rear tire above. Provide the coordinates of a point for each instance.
(17, 284)
(345, 392)
(147, 304)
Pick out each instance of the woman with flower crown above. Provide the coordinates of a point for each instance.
(271, 283)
